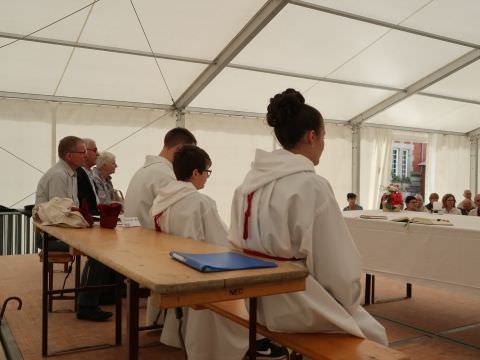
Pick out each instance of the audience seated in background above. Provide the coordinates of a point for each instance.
(476, 211)
(106, 166)
(352, 203)
(432, 198)
(448, 202)
(410, 203)
(420, 206)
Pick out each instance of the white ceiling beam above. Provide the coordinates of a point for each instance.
(253, 27)
(414, 129)
(84, 101)
(101, 48)
(474, 132)
(416, 87)
(386, 24)
(450, 98)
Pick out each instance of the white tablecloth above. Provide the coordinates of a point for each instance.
(427, 254)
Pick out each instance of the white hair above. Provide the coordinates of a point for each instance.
(103, 158)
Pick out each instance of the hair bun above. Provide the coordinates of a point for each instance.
(283, 107)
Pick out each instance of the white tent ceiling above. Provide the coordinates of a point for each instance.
(410, 63)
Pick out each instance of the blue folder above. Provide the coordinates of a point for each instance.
(212, 262)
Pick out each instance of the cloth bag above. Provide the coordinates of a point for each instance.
(59, 212)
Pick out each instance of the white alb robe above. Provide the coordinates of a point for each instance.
(208, 336)
(294, 214)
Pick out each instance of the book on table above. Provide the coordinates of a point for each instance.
(423, 220)
(222, 261)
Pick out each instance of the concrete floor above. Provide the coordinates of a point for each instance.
(434, 324)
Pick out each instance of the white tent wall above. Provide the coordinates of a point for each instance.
(375, 164)
(26, 137)
(448, 165)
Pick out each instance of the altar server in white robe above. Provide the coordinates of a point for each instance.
(283, 209)
(145, 185)
(179, 209)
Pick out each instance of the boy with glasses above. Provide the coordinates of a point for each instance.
(179, 209)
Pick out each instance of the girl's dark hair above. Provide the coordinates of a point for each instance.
(290, 117)
(189, 158)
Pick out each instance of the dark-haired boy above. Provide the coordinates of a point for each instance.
(179, 209)
(352, 203)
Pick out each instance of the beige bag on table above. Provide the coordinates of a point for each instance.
(58, 212)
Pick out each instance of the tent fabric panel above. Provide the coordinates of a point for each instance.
(465, 84)
(198, 29)
(26, 133)
(343, 102)
(316, 45)
(26, 16)
(32, 67)
(393, 11)
(242, 90)
(430, 113)
(456, 19)
(390, 61)
(121, 30)
(336, 161)
(112, 76)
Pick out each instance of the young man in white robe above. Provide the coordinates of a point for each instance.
(179, 209)
(284, 209)
(145, 185)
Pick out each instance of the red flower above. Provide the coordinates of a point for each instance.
(395, 199)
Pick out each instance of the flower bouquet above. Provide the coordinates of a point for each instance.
(392, 199)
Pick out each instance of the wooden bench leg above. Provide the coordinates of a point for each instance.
(252, 329)
(50, 286)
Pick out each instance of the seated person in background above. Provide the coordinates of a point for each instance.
(106, 166)
(432, 198)
(284, 209)
(476, 211)
(179, 209)
(61, 179)
(352, 203)
(466, 206)
(420, 206)
(410, 203)
(448, 202)
(467, 198)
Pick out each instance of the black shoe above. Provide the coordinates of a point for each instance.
(266, 350)
(93, 314)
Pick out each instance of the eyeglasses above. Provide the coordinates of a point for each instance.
(94, 150)
(209, 172)
(78, 152)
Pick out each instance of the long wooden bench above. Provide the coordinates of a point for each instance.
(318, 346)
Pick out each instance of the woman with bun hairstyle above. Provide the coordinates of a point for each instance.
(285, 211)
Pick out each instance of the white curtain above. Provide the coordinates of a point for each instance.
(448, 165)
(375, 164)
(336, 161)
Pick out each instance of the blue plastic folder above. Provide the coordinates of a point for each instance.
(225, 261)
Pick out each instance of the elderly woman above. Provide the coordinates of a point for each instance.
(101, 176)
(448, 202)
(420, 206)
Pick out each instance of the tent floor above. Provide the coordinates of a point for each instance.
(411, 324)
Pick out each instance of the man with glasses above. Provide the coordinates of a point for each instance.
(94, 273)
(86, 187)
(61, 179)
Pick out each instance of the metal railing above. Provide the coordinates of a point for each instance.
(16, 234)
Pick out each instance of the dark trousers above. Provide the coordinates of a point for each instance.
(53, 245)
(94, 274)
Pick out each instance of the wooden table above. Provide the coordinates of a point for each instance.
(142, 256)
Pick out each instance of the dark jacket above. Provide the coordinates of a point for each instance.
(85, 191)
